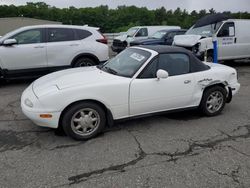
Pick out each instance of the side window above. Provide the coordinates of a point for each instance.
(143, 32)
(29, 37)
(82, 34)
(175, 64)
(60, 34)
(150, 70)
(227, 30)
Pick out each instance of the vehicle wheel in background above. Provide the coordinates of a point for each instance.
(210, 57)
(84, 62)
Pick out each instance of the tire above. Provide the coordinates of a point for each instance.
(210, 57)
(83, 121)
(84, 62)
(213, 101)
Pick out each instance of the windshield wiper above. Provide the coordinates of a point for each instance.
(100, 66)
(110, 70)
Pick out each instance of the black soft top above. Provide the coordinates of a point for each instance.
(195, 64)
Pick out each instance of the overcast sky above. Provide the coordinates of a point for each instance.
(218, 5)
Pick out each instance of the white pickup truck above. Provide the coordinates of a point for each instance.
(233, 38)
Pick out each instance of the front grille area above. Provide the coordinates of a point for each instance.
(118, 43)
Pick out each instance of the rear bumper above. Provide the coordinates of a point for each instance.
(235, 88)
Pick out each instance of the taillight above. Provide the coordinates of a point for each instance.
(104, 40)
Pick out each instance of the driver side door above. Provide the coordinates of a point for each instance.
(149, 94)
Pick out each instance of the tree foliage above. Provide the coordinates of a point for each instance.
(110, 20)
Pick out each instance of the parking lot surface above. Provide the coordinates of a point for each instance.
(173, 150)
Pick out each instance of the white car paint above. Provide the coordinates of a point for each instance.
(50, 54)
(124, 97)
(236, 46)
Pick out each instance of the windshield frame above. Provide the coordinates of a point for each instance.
(162, 36)
(148, 56)
(136, 29)
(211, 26)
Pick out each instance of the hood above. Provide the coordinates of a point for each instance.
(147, 41)
(121, 37)
(71, 78)
(186, 40)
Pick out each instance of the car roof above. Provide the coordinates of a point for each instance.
(166, 49)
(59, 26)
(171, 30)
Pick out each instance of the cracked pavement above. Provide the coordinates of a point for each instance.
(173, 150)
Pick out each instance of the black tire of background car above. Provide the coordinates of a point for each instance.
(67, 116)
(84, 62)
(210, 57)
(206, 94)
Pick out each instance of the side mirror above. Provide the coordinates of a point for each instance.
(161, 74)
(9, 42)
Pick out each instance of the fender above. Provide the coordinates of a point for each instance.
(218, 82)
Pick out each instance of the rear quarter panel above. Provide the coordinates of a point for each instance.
(216, 74)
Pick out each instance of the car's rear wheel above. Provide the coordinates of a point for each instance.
(84, 62)
(84, 120)
(213, 101)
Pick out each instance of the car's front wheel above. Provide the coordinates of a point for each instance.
(213, 101)
(83, 120)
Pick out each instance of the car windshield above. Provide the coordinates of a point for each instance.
(206, 31)
(131, 32)
(158, 35)
(127, 63)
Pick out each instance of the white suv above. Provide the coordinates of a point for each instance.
(35, 50)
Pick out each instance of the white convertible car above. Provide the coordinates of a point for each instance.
(137, 82)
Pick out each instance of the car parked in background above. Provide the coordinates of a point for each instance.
(138, 81)
(162, 37)
(35, 50)
(232, 35)
(136, 33)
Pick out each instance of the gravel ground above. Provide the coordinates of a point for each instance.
(174, 150)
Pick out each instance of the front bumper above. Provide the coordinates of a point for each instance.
(33, 113)
(117, 48)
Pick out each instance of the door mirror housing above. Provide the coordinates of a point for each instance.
(9, 42)
(162, 74)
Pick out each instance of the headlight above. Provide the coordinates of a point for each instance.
(28, 103)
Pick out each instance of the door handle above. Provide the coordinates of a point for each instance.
(187, 81)
(39, 47)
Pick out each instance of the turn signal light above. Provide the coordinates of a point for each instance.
(45, 116)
